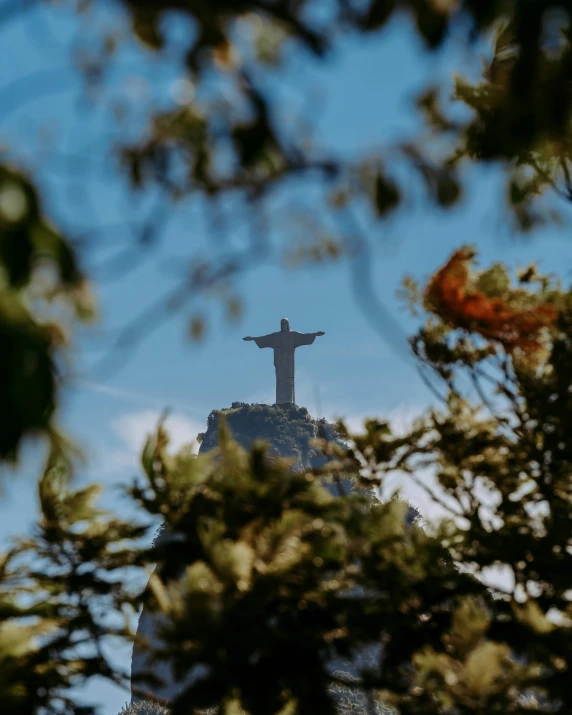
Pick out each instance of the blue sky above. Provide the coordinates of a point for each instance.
(366, 93)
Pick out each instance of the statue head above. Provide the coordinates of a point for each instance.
(284, 324)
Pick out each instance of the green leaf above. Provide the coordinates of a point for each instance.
(484, 666)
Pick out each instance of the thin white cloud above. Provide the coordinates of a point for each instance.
(132, 429)
(400, 418)
(136, 397)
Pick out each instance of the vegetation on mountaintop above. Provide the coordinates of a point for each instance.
(289, 431)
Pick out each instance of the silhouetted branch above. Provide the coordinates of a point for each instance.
(201, 279)
(145, 237)
(427, 382)
(379, 316)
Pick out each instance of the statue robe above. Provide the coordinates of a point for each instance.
(284, 343)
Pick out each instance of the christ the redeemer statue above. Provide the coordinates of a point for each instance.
(284, 343)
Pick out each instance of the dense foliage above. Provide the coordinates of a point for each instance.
(58, 588)
(251, 537)
(43, 294)
(287, 431)
(519, 113)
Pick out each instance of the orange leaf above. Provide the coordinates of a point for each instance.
(493, 318)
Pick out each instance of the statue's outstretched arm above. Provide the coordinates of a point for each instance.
(264, 341)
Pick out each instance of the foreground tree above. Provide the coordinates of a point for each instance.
(270, 586)
(353, 576)
(332, 575)
(44, 294)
